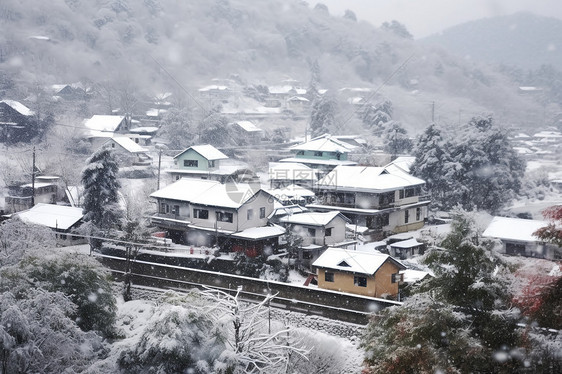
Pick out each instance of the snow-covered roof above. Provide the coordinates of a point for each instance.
(312, 218)
(403, 162)
(410, 243)
(516, 229)
(103, 123)
(291, 171)
(53, 216)
(155, 112)
(208, 192)
(290, 192)
(127, 144)
(413, 276)
(207, 151)
(248, 126)
(368, 178)
(147, 129)
(313, 161)
(280, 89)
(298, 99)
(18, 107)
(324, 144)
(264, 232)
(548, 134)
(353, 261)
(286, 210)
(213, 87)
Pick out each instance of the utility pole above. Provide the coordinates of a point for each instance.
(433, 112)
(33, 180)
(159, 163)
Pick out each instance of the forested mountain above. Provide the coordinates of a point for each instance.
(522, 40)
(159, 45)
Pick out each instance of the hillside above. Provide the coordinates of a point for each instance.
(161, 45)
(522, 40)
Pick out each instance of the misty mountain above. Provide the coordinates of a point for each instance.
(152, 46)
(522, 40)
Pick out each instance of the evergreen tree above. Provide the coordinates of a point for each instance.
(101, 187)
(396, 140)
(375, 117)
(322, 117)
(176, 126)
(458, 321)
(477, 169)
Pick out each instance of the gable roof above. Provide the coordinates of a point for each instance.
(208, 192)
(248, 126)
(324, 143)
(100, 124)
(354, 261)
(403, 162)
(516, 229)
(18, 107)
(127, 144)
(53, 216)
(369, 178)
(207, 151)
(313, 218)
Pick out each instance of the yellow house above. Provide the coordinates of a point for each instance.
(358, 272)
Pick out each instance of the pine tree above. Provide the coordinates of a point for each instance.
(101, 187)
(322, 117)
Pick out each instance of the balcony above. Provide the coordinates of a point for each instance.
(170, 221)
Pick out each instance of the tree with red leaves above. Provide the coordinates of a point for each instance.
(552, 233)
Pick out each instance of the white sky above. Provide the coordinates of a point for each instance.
(426, 17)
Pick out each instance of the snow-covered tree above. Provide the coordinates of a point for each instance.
(101, 187)
(18, 239)
(398, 29)
(177, 128)
(478, 169)
(396, 139)
(459, 321)
(38, 335)
(322, 117)
(213, 129)
(375, 117)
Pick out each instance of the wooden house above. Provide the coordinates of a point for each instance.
(362, 273)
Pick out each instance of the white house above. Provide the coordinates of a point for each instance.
(60, 218)
(207, 212)
(127, 152)
(206, 162)
(517, 237)
(385, 200)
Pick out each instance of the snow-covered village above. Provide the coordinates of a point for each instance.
(234, 187)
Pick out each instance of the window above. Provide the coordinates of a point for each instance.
(312, 233)
(250, 214)
(211, 163)
(176, 209)
(300, 153)
(318, 153)
(328, 231)
(201, 213)
(328, 276)
(409, 192)
(360, 281)
(262, 212)
(418, 214)
(406, 216)
(191, 163)
(401, 194)
(224, 217)
(164, 208)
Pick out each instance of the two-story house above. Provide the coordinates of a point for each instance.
(385, 200)
(316, 230)
(99, 128)
(322, 154)
(206, 212)
(363, 273)
(45, 189)
(207, 162)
